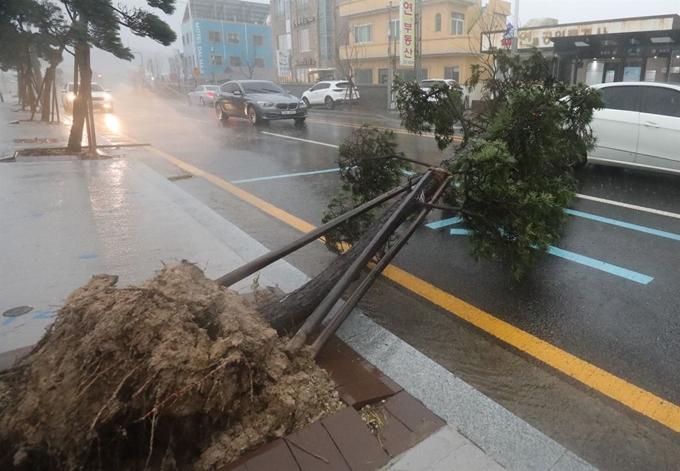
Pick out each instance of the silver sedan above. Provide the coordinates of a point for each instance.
(204, 95)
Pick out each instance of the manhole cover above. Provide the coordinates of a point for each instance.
(17, 311)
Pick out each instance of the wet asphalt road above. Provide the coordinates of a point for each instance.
(630, 329)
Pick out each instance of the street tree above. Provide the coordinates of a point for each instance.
(19, 43)
(97, 23)
(249, 63)
(349, 53)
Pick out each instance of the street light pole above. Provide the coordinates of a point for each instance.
(515, 36)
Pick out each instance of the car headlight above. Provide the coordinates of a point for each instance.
(302, 104)
(71, 96)
(265, 104)
(107, 97)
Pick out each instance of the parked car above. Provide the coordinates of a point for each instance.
(204, 94)
(639, 126)
(101, 99)
(258, 101)
(330, 93)
(427, 84)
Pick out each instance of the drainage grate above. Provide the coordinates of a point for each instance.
(17, 311)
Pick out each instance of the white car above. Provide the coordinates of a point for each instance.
(101, 99)
(639, 127)
(426, 86)
(330, 93)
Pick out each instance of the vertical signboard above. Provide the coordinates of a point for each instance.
(406, 38)
(199, 48)
(282, 63)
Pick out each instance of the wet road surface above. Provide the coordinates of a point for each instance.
(613, 302)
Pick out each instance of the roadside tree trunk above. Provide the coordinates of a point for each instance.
(290, 311)
(80, 105)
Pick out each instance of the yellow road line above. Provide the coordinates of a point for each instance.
(628, 394)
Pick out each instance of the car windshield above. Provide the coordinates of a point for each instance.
(430, 83)
(262, 87)
(212, 88)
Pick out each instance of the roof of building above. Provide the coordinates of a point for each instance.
(238, 11)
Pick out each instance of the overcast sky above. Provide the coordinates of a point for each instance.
(565, 11)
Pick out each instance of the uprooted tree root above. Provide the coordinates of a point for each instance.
(177, 373)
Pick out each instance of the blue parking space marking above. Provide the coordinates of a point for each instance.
(602, 266)
(43, 315)
(587, 261)
(88, 256)
(288, 175)
(627, 225)
(444, 223)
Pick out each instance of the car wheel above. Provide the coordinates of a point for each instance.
(306, 101)
(299, 121)
(252, 116)
(201, 101)
(330, 104)
(581, 162)
(220, 114)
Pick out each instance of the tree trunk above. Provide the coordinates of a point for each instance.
(80, 104)
(291, 310)
(47, 92)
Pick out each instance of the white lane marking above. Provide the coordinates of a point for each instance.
(199, 120)
(629, 206)
(299, 139)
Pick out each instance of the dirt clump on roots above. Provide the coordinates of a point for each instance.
(174, 374)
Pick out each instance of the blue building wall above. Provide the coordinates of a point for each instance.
(198, 48)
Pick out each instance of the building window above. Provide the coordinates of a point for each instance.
(363, 34)
(234, 61)
(215, 60)
(281, 6)
(233, 38)
(438, 22)
(394, 29)
(259, 62)
(302, 3)
(214, 37)
(303, 40)
(457, 24)
(258, 40)
(364, 76)
(452, 73)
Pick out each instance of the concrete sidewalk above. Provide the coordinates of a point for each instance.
(66, 221)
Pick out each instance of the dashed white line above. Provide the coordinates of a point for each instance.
(629, 206)
(300, 139)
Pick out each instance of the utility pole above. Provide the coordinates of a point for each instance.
(390, 72)
(515, 36)
(418, 50)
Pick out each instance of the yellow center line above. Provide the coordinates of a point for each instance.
(637, 399)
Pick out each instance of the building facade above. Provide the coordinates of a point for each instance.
(304, 31)
(450, 37)
(629, 49)
(227, 39)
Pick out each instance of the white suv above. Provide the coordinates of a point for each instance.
(427, 84)
(639, 127)
(330, 93)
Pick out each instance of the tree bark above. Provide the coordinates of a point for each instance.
(80, 104)
(290, 311)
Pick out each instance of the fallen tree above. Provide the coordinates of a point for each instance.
(177, 373)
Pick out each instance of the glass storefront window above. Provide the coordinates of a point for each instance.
(674, 70)
(656, 69)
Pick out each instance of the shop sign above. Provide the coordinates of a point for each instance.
(540, 37)
(297, 22)
(307, 61)
(407, 56)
